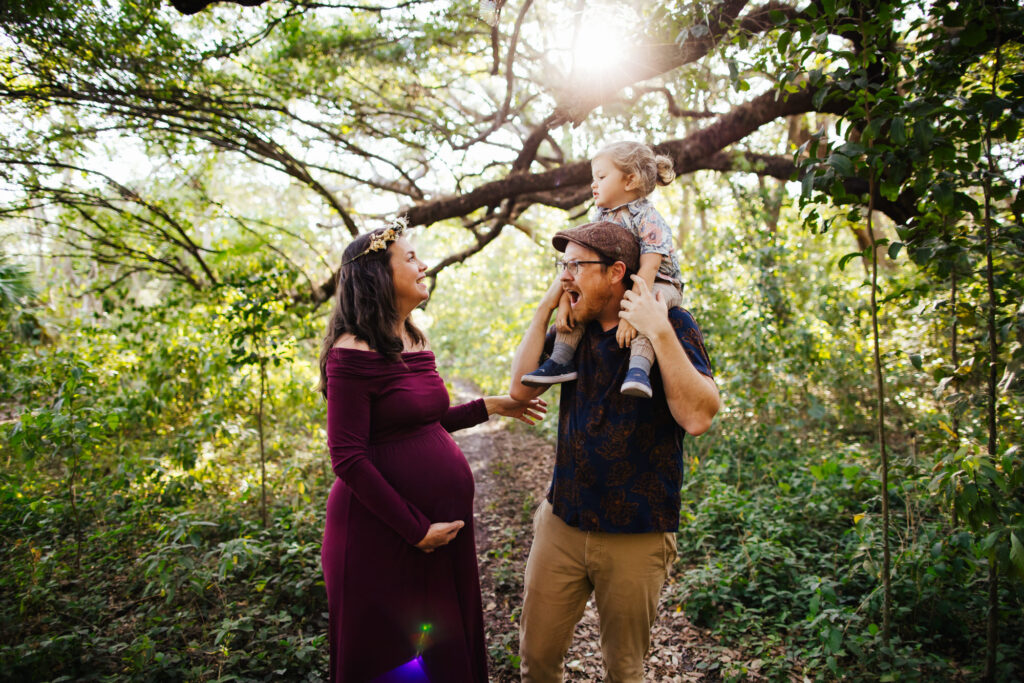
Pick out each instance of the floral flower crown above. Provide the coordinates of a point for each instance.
(384, 238)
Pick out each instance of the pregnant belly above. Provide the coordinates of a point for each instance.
(429, 471)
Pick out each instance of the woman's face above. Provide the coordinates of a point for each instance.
(408, 273)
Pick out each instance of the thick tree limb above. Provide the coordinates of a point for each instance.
(759, 19)
(193, 6)
(689, 154)
(782, 167)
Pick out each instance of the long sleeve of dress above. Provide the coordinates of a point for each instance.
(348, 430)
(465, 415)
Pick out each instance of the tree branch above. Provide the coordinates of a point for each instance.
(689, 154)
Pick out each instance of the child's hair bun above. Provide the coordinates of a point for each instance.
(666, 169)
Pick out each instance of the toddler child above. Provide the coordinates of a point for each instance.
(624, 174)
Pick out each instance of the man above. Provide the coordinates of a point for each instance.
(608, 524)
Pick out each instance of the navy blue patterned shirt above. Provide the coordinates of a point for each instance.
(619, 459)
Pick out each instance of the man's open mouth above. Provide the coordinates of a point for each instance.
(574, 297)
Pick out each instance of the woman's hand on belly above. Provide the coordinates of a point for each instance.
(439, 534)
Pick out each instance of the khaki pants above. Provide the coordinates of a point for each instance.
(625, 572)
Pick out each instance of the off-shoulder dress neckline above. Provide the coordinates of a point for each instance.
(377, 353)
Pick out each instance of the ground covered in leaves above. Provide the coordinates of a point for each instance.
(512, 466)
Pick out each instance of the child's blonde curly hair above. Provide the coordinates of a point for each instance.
(638, 159)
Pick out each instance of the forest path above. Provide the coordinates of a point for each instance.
(512, 466)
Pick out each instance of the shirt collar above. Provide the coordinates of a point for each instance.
(635, 207)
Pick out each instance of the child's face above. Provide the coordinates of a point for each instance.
(611, 187)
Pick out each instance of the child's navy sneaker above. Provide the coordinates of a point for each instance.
(636, 384)
(548, 373)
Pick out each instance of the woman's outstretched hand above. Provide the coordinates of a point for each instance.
(506, 406)
(439, 534)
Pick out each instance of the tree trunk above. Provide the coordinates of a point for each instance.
(992, 630)
(880, 389)
(263, 453)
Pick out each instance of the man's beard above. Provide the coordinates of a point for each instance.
(591, 305)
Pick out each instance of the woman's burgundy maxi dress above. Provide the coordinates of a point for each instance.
(398, 471)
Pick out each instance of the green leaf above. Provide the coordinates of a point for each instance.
(784, 41)
(1017, 553)
(842, 164)
(818, 98)
(835, 639)
(894, 249)
(851, 149)
(915, 360)
(944, 153)
(990, 541)
(943, 195)
(924, 133)
(1010, 128)
(807, 185)
(898, 131)
(890, 188)
(849, 257)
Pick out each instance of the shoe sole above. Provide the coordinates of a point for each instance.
(635, 389)
(535, 381)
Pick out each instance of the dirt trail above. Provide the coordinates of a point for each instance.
(512, 466)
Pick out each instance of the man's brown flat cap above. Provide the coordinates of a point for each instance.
(608, 239)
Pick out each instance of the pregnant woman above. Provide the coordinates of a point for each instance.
(399, 558)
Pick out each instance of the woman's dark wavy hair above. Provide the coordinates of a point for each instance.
(364, 304)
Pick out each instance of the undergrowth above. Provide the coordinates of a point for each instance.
(159, 593)
(780, 558)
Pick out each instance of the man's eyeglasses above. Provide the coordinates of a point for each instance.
(574, 266)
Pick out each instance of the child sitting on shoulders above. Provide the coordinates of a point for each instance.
(624, 174)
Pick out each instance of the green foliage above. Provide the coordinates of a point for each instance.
(930, 129)
(14, 285)
(983, 491)
(130, 504)
(18, 321)
(787, 564)
(161, 594)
